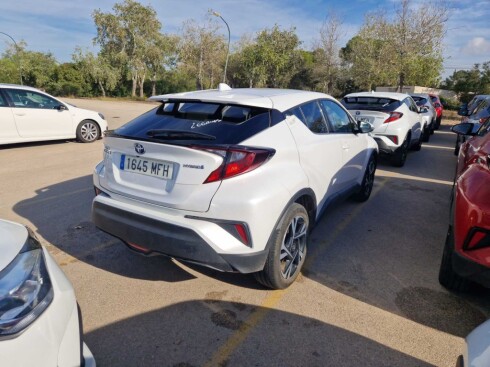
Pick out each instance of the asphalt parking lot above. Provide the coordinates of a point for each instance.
(368, 294)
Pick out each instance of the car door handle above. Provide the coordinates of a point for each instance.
(20, 114)
(345, 146)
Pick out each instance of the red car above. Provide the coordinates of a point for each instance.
(439, 109)
(466, 255)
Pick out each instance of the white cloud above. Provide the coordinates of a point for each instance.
(477, 46)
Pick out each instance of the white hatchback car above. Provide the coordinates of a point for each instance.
(232, 178)
(40, 322)
(28, 114)
(395, 118)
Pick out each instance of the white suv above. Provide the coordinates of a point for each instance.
(28, 114)
(395, 118)
(232, 179)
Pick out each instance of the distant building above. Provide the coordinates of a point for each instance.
(417, 89)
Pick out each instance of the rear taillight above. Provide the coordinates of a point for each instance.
(236, 161)
(393, 117)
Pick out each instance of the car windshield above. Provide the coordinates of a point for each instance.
(371, 103)
(482, 110)
(187, 122)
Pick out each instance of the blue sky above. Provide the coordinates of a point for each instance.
(58, 26)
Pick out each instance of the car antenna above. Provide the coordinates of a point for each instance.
(223, 86)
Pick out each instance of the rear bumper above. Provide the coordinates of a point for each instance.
(385, 145)
(471, 270)
(179, 242)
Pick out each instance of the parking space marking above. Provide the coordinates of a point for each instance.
(383, 173)
(438, 147)
(233, 342)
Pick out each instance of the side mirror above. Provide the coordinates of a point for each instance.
(437, 105)
(61, 107)
(365, 127)
(423, 109)
(464, 128)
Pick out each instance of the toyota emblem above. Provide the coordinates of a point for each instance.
(140, 149)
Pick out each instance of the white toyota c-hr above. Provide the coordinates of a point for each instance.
(40, 322)
(28, 114)
(232, 179)
(395, 118)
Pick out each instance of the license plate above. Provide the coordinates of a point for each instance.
(146, 166)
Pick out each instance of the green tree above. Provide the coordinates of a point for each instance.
(127, 37)
(97, 69)
(202, 52)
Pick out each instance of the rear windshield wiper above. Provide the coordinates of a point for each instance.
(178, 135)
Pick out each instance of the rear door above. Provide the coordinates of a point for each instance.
(320, 152)
(36, 115)
(353, 145)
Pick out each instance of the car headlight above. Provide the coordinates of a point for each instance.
(101, 116)
(25, 289)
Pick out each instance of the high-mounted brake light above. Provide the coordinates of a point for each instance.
(237, 161)
(393, 117)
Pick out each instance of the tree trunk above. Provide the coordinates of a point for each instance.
(133, 87)
(142, 82)
(102, 89)
(154, 85)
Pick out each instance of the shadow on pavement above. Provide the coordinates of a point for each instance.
(191, 333)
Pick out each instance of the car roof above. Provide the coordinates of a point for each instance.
(18, 86)
(280, 99)
(423, 95)
(390, 95)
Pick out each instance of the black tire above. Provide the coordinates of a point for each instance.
(288, 241)
(367, 181)
(400, 156)
(88, 131)
(416, 147)
(438, 123)
(447, 276)
(426, 134)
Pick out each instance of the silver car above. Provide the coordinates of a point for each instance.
(429, 116)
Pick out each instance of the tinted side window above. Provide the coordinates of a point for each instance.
(3, 102)
(411, 105)
(339, 119)
(296, 111)
(484, 129)
(314, 117)
(27, 99)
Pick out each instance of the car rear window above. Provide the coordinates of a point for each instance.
(420, 101)
(370, 103)
(190, 122)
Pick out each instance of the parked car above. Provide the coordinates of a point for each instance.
(477, 348)
(478, 113)
(466, 255)
(439, 109)
(395, 118)
(40, 322)
(429, 114)
(28, 114)
(467, 109)
(232, 179)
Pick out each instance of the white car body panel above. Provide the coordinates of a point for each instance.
(324, 164)
(477, 352)
(23, 124)
(53, 339)
(409, 122)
